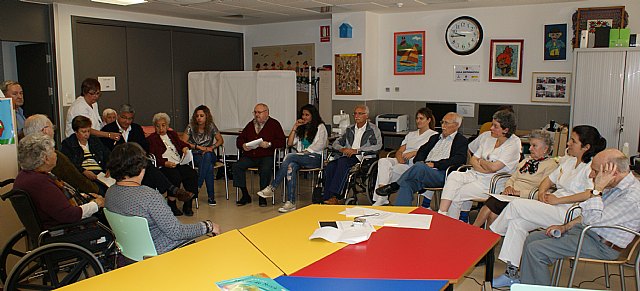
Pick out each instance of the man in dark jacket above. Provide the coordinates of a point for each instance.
(131, 132)
(432, 160)
(261, 156)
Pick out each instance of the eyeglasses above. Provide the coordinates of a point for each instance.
(259, 112)
(444, 122)
(359, 113)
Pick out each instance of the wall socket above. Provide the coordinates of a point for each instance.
(387, 89)
(397, 89)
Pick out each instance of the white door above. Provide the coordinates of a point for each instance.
(631, 103)
(597, 91)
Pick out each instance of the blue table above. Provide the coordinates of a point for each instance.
(321, 284)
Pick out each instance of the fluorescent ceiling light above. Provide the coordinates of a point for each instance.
(121, 2)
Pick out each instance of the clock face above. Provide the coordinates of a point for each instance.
(464, 35)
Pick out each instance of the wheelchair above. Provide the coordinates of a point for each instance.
(51, 258)
(360, 181)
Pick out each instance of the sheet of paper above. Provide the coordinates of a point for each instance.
(254, 144)
(102, 177)
(504, 198)
(186, 158)
(361, 211)
(347, 232)
(417, 221)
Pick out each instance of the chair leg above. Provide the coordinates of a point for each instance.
(607, 282)
(557, 270)
(435, 202)
(197, 203)
(226, 179)
(622, 284)
(574, 267)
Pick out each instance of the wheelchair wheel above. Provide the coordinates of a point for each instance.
(16, 248)
(53, 266)
(370, 181)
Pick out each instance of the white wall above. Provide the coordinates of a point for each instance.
(9, 65)
(511, 22)
(64, 45)
(297, 32)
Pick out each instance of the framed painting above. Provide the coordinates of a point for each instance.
(555, 42)
(591, 18)
(505, 62)
(408, 53)
(550, 87)
(348, 74)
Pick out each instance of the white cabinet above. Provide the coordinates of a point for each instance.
(606, 94)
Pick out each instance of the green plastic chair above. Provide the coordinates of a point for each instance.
(132, 235)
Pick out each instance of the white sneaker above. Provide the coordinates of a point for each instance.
(267, 192)
(288, 206)
(382, 200)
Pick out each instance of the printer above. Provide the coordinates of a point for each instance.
(392, 122)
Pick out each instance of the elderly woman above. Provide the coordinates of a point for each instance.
(86, 152)
(168, 149)
(37, 156)
(108, 116)
(87, 106)
(203, 137)
(128, 197)
(530, 173)
(309, 135)
(390, 169)
(498, 154)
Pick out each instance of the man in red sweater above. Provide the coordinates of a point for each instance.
(260, 155)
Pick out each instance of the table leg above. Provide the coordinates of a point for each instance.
(489, 260)
(449, 287)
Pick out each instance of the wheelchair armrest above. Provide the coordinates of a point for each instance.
(6, 182)
(90, 219)
(495, 179)
(464, 168)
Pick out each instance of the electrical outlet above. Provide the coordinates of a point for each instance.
(387, 89)
(397, 89)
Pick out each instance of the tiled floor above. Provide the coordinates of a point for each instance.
(230, 216)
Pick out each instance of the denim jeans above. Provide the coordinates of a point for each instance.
(295, 161)
(205, 162)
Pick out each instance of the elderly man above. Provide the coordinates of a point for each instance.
(64, 169)
(270, 131)
(614, 200)
(124, 125)
(87, 106)
(360, 140)
(13, 90)
(433, 158)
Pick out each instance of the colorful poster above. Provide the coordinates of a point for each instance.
(555, 42)
(7, 127)
(294, 57)
(408, 56)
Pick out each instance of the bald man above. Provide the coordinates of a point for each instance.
(615, 200)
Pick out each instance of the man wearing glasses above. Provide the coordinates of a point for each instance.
(431, 162)
(360, 140)
(261, 156)
(124, 125)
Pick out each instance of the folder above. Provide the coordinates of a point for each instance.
(602, 37)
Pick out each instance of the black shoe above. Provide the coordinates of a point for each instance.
(183, 195)
(187, 208)
(262, 202)
(174, 208)
(387, 190)
(244, 200)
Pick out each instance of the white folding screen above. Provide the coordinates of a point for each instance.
(231, 96)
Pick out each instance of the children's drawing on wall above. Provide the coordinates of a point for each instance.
(408, 53)
(7, 129)
(348, 74)
(555, 42)
(506, 61)
(295, 57)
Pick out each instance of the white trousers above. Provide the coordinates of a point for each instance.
(519, 218)
(389, 171)
(462, 188)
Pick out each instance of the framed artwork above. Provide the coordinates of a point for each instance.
(408, 53)
(555, 42)
(348, 74)
(294, 57)
(550, 87)
(505, 63)
(8, 133)
(590, 18)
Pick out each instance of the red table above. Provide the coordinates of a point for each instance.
(447, 251)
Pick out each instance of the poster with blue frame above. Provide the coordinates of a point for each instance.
(7, 126)
(555, 42)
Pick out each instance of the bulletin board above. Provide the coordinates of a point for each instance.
(348, 72)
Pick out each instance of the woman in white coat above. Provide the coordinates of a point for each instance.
(571, 178)
(390, 169)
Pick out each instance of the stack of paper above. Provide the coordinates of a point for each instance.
(346, 232)
(254, 144)
(384, 218)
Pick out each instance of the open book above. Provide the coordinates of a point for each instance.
(102, 177)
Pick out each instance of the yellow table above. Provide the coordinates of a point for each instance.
(194, 267)
(285, 239)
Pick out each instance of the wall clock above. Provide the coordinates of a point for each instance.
(463, 35)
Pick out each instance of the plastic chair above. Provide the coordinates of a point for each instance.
(220, 153)
(132, 235)
(276, 157)
(305, 170)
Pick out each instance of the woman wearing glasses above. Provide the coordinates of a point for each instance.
(87, 106)
(168, 149)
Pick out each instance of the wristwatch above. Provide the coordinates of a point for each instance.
(595, 192)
